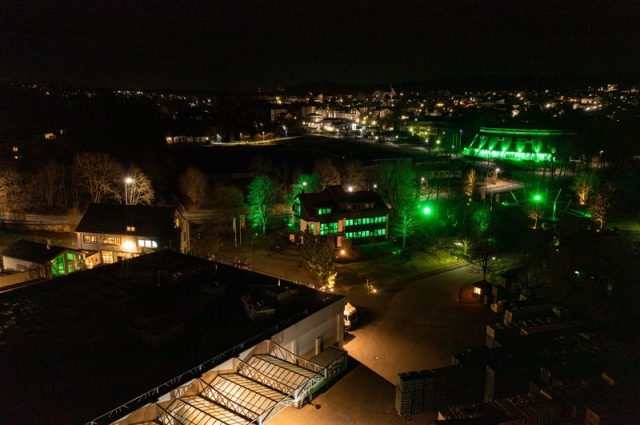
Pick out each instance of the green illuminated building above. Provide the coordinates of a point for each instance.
(360, 216)
(517, 144)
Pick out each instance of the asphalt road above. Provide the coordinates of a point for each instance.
(418, 327)
(424, 324)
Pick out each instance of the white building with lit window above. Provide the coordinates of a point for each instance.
(119, 232)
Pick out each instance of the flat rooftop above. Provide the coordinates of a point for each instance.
(76, 347)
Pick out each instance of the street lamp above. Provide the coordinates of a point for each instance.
(127, 182)
(497, 171)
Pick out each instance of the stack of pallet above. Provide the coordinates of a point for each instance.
(410, 394)
(472, 363)
(500, 335)
(507, 376)
(526, 310)
(446, 386)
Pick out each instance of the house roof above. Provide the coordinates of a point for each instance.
(334, 196)
(76, 347)
(114, 219)
(34, 252)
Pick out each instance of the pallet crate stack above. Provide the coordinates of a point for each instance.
(410, 394)
(507, 376)
(473, 371)
(518, 410)
(446, 386)
(526, 310)
(500, 335)
(429, 378)
(471, 390)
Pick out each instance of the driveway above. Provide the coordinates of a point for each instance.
(419, 327)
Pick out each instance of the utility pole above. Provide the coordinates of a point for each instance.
(235, 233)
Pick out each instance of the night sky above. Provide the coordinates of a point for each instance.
(247, 44)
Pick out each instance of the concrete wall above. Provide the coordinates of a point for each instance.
(326, 324)
(20, 277)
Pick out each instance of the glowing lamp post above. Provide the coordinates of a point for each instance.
(127, 182)
(537, 199)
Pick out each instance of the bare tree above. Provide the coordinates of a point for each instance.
(317, 255)
(396, 182)
(229, 201)
(12, 191)
(583, 184)
(209, 240)
(327, 172)
(48, 183)
(602, 203)
(98, 175)
(535, 212)
(406, 214)
(353, 175)
(138, 188)
(261, 196)
(470, 183)
(194, 185)
(483, 246)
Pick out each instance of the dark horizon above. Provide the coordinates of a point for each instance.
(251, 45)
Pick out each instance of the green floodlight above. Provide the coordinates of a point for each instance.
(537, 198)
(426, 210)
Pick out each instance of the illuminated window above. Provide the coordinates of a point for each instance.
(90, 239)
(328, 228)
(107, 257)
(57, 266)
(110, 240)
(147, 243)
(131, 228)
(324, 210)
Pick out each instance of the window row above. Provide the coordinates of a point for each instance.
(112, 240)
(328, 228)
(365, 220)
(365, 233)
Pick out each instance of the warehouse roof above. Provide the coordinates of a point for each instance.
(82, 345)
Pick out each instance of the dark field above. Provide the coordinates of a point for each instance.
(294, 152)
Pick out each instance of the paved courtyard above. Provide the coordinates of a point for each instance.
(417, 327)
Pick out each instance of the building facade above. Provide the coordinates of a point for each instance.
(361, 216)
(518, 144)
(120, 232)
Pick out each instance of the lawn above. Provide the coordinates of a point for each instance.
(387, 270)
